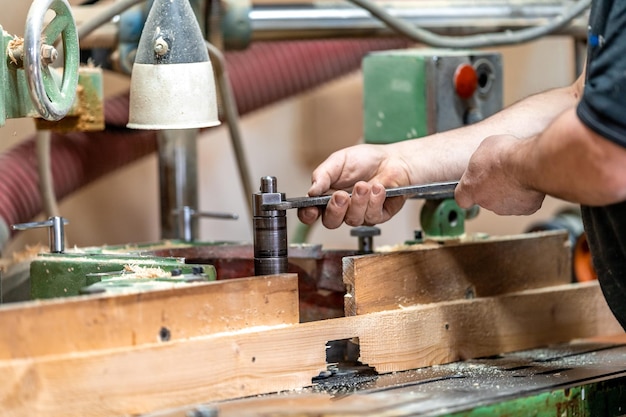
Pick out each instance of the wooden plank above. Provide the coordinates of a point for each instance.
(80, 324)
(269, 359)
(433, 273)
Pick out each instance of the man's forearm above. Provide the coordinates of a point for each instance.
(570, 161)
(450, 151)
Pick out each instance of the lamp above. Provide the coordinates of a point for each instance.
(172, 84)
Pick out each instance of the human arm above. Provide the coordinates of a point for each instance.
(567, 160)
(367, 169)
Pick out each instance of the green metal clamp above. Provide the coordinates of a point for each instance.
(444, 219)
(70, 274)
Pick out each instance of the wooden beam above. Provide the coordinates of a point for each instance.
(259, 360)
(433, 273)
(81, 324)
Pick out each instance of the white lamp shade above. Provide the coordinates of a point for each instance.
(172, 84)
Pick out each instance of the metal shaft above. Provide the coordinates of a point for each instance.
(270, 232)
(462, 18)
(335, 20)
(178, 182)
(439, 190)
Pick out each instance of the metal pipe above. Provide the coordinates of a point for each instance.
(444, 17)
(231, 115)
(178, 180)
(462, 18)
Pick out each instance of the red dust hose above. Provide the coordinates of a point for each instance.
(262, 74)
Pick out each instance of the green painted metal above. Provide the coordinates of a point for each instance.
(605, 398)
(62, 275)
(61, 90)
(87, 112)
(116, 283)
(394, 96)
(442, 219)
(15, 99)
(236, 25)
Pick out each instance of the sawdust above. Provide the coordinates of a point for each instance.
(27, 254)
(145, 272)
(15, 50)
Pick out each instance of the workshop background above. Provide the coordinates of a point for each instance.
(286, 140)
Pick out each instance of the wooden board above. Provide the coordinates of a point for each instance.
(94, 323)
(441, 273)
(268, 359)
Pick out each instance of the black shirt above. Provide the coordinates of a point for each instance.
(603, 109)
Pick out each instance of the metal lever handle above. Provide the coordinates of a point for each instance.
(434, 191)
(186, 214)
(56, 235)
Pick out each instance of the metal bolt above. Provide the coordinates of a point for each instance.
(366, 237)
(49, 54)
(161, 47)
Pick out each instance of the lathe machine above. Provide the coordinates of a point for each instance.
(445, 323)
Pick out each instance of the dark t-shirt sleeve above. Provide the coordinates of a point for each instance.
(603, 105)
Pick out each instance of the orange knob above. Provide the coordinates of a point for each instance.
(465, 81)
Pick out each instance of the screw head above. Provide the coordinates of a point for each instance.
(161, 47)
(49, 54)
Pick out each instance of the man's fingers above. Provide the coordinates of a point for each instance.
(375, 213)
(358, 204)
(308, 215)
(462, 196)
(336, 209)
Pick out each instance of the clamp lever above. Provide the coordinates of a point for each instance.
(186, 215)
(56, 225)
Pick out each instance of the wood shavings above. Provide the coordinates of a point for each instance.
(145, 272)
(15, 50)
(30, 252)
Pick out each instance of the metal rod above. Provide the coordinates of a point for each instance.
(318, 22)
(440, 190)
(178, 180)
(462, 18)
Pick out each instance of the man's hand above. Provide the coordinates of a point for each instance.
(491, 182)
(366, 170)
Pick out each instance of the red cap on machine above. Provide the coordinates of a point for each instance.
(465, 81)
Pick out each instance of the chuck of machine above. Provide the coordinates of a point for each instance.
(270, 230)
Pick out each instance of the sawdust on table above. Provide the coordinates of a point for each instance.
(146, 272)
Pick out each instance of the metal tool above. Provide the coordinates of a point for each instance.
(365, 234)
(187, 215)
(270, 218)
(434, 191)
(56, 226)
(270, 231)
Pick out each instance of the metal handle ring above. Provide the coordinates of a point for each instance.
(52, 101)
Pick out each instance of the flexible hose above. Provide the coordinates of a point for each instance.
(46, 183)
(105, 16)
(231, 116)
(476, 41)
